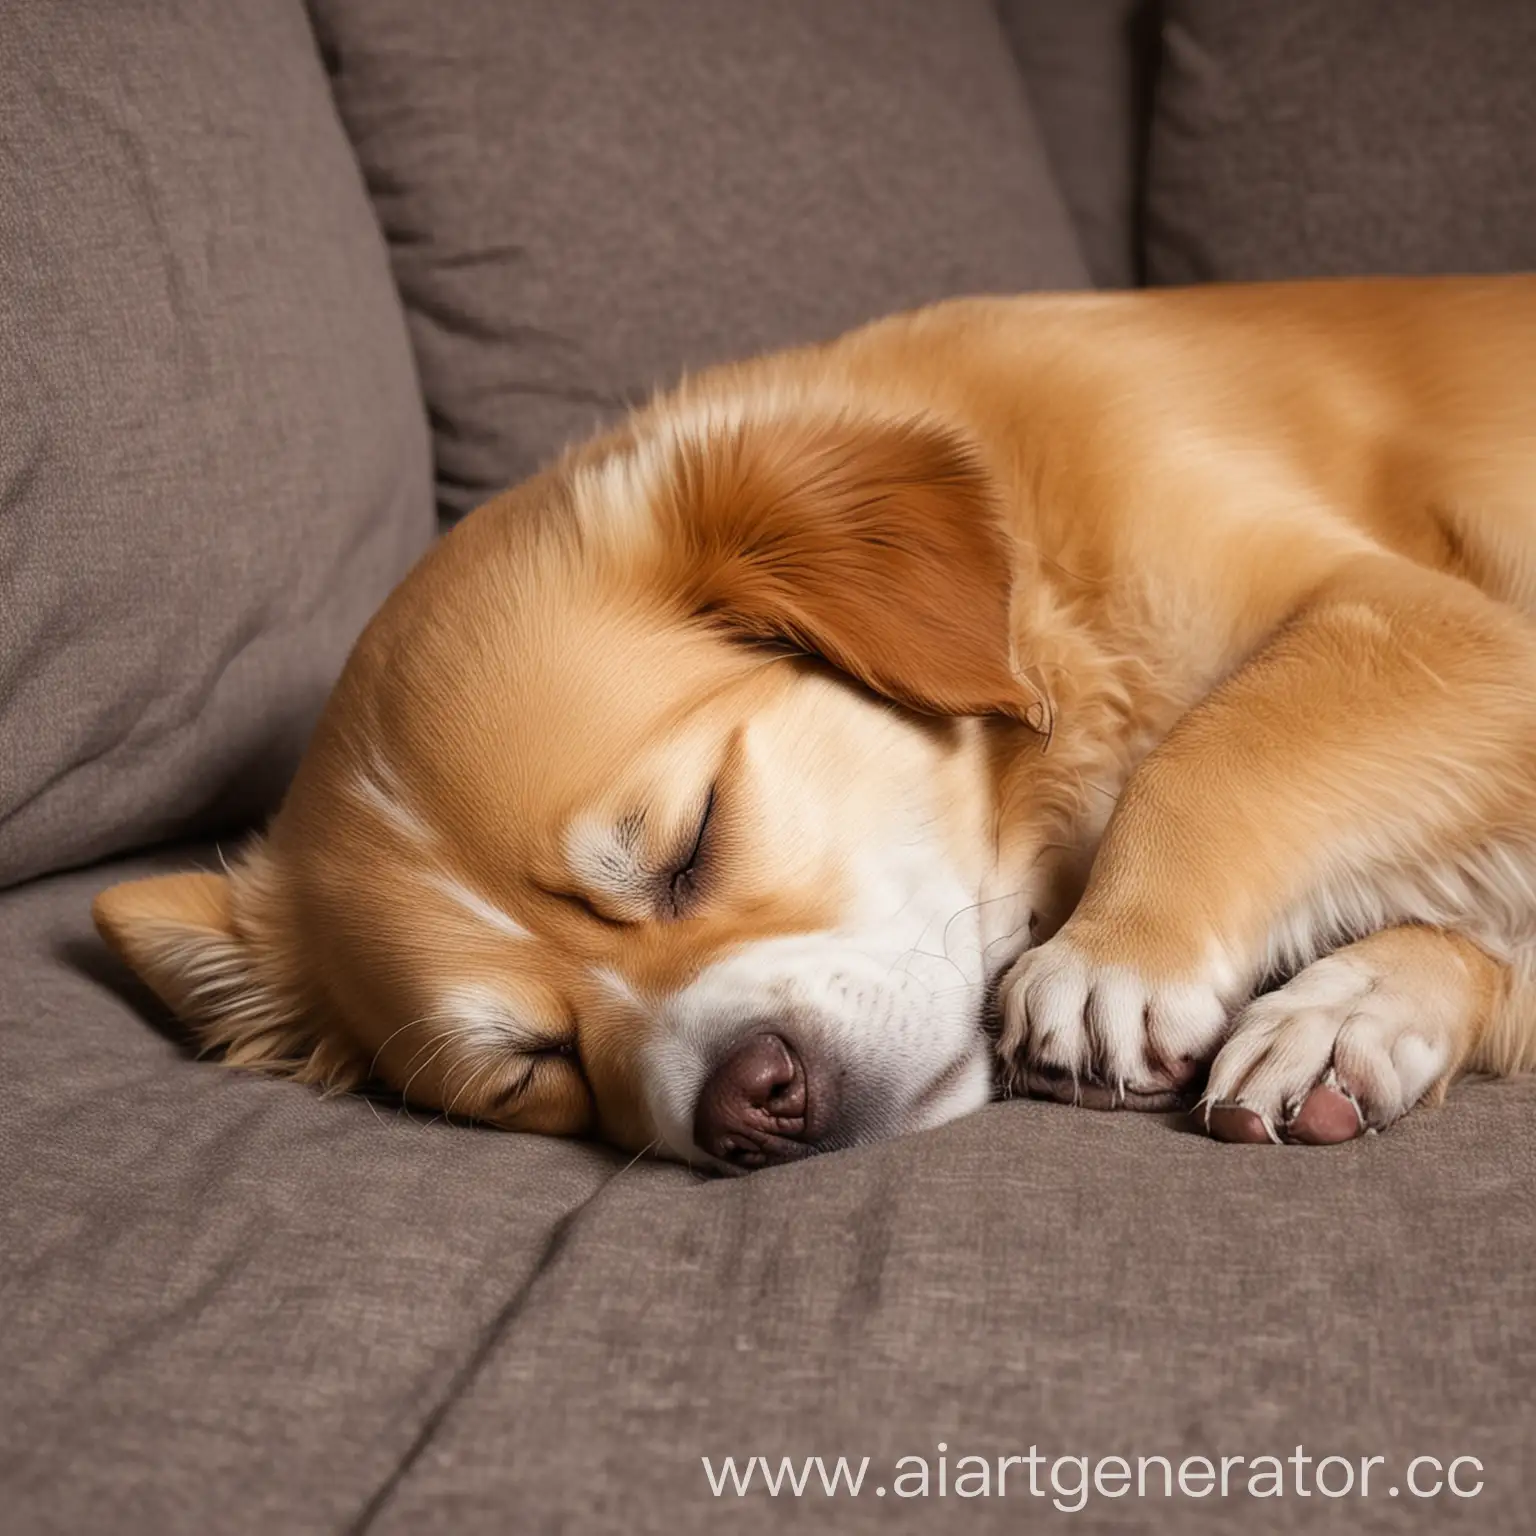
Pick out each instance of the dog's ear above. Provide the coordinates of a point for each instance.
(879, 546)
(178, 934)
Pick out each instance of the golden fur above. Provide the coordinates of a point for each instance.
(1112, 656)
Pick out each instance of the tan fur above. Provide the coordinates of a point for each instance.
(1190, 631)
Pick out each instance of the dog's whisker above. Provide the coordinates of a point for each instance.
(443, 1045)
(434, 1017)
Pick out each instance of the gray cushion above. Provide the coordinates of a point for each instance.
(584, 199)
(231, 1306)
(1089, 66)
(1331, 137)
(213, 458)
(228, 1305)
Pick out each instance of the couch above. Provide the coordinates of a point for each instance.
(284, 288)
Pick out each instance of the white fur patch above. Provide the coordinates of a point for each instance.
(617, 987)
(379, 788)
(602, 859)
(483, 1018)
(478, 907)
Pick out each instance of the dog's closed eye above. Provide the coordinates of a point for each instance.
(683, 880)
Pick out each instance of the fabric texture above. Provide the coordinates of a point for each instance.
(231, 1305)
(582, 200)
(1089, 66)
(213, 456)
(1337, 137)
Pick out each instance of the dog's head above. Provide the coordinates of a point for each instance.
(655, 804)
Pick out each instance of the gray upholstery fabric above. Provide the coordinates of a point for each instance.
(1089, 66)
(213, 458)
(1330, 137)
(232, 1306)
(583, 199)
(228, 1305)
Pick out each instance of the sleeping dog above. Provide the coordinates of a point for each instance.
(1126, 698)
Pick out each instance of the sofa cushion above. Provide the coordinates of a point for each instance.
(213, 457)
(1093, 1285)
(231, 1305)
(584, 199)
(1089, 66)
(1333, 137)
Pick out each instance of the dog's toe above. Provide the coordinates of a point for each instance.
(1232, 1122)
(1338, 1051)
(1327, 1116)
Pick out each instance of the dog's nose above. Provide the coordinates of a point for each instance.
(755, 1107)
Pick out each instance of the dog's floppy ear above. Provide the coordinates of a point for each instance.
(878, 545)
(178, 934)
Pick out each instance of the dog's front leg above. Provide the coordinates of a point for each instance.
(1373, 764)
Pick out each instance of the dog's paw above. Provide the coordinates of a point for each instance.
(1098, 1032)
(1341, 1049)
